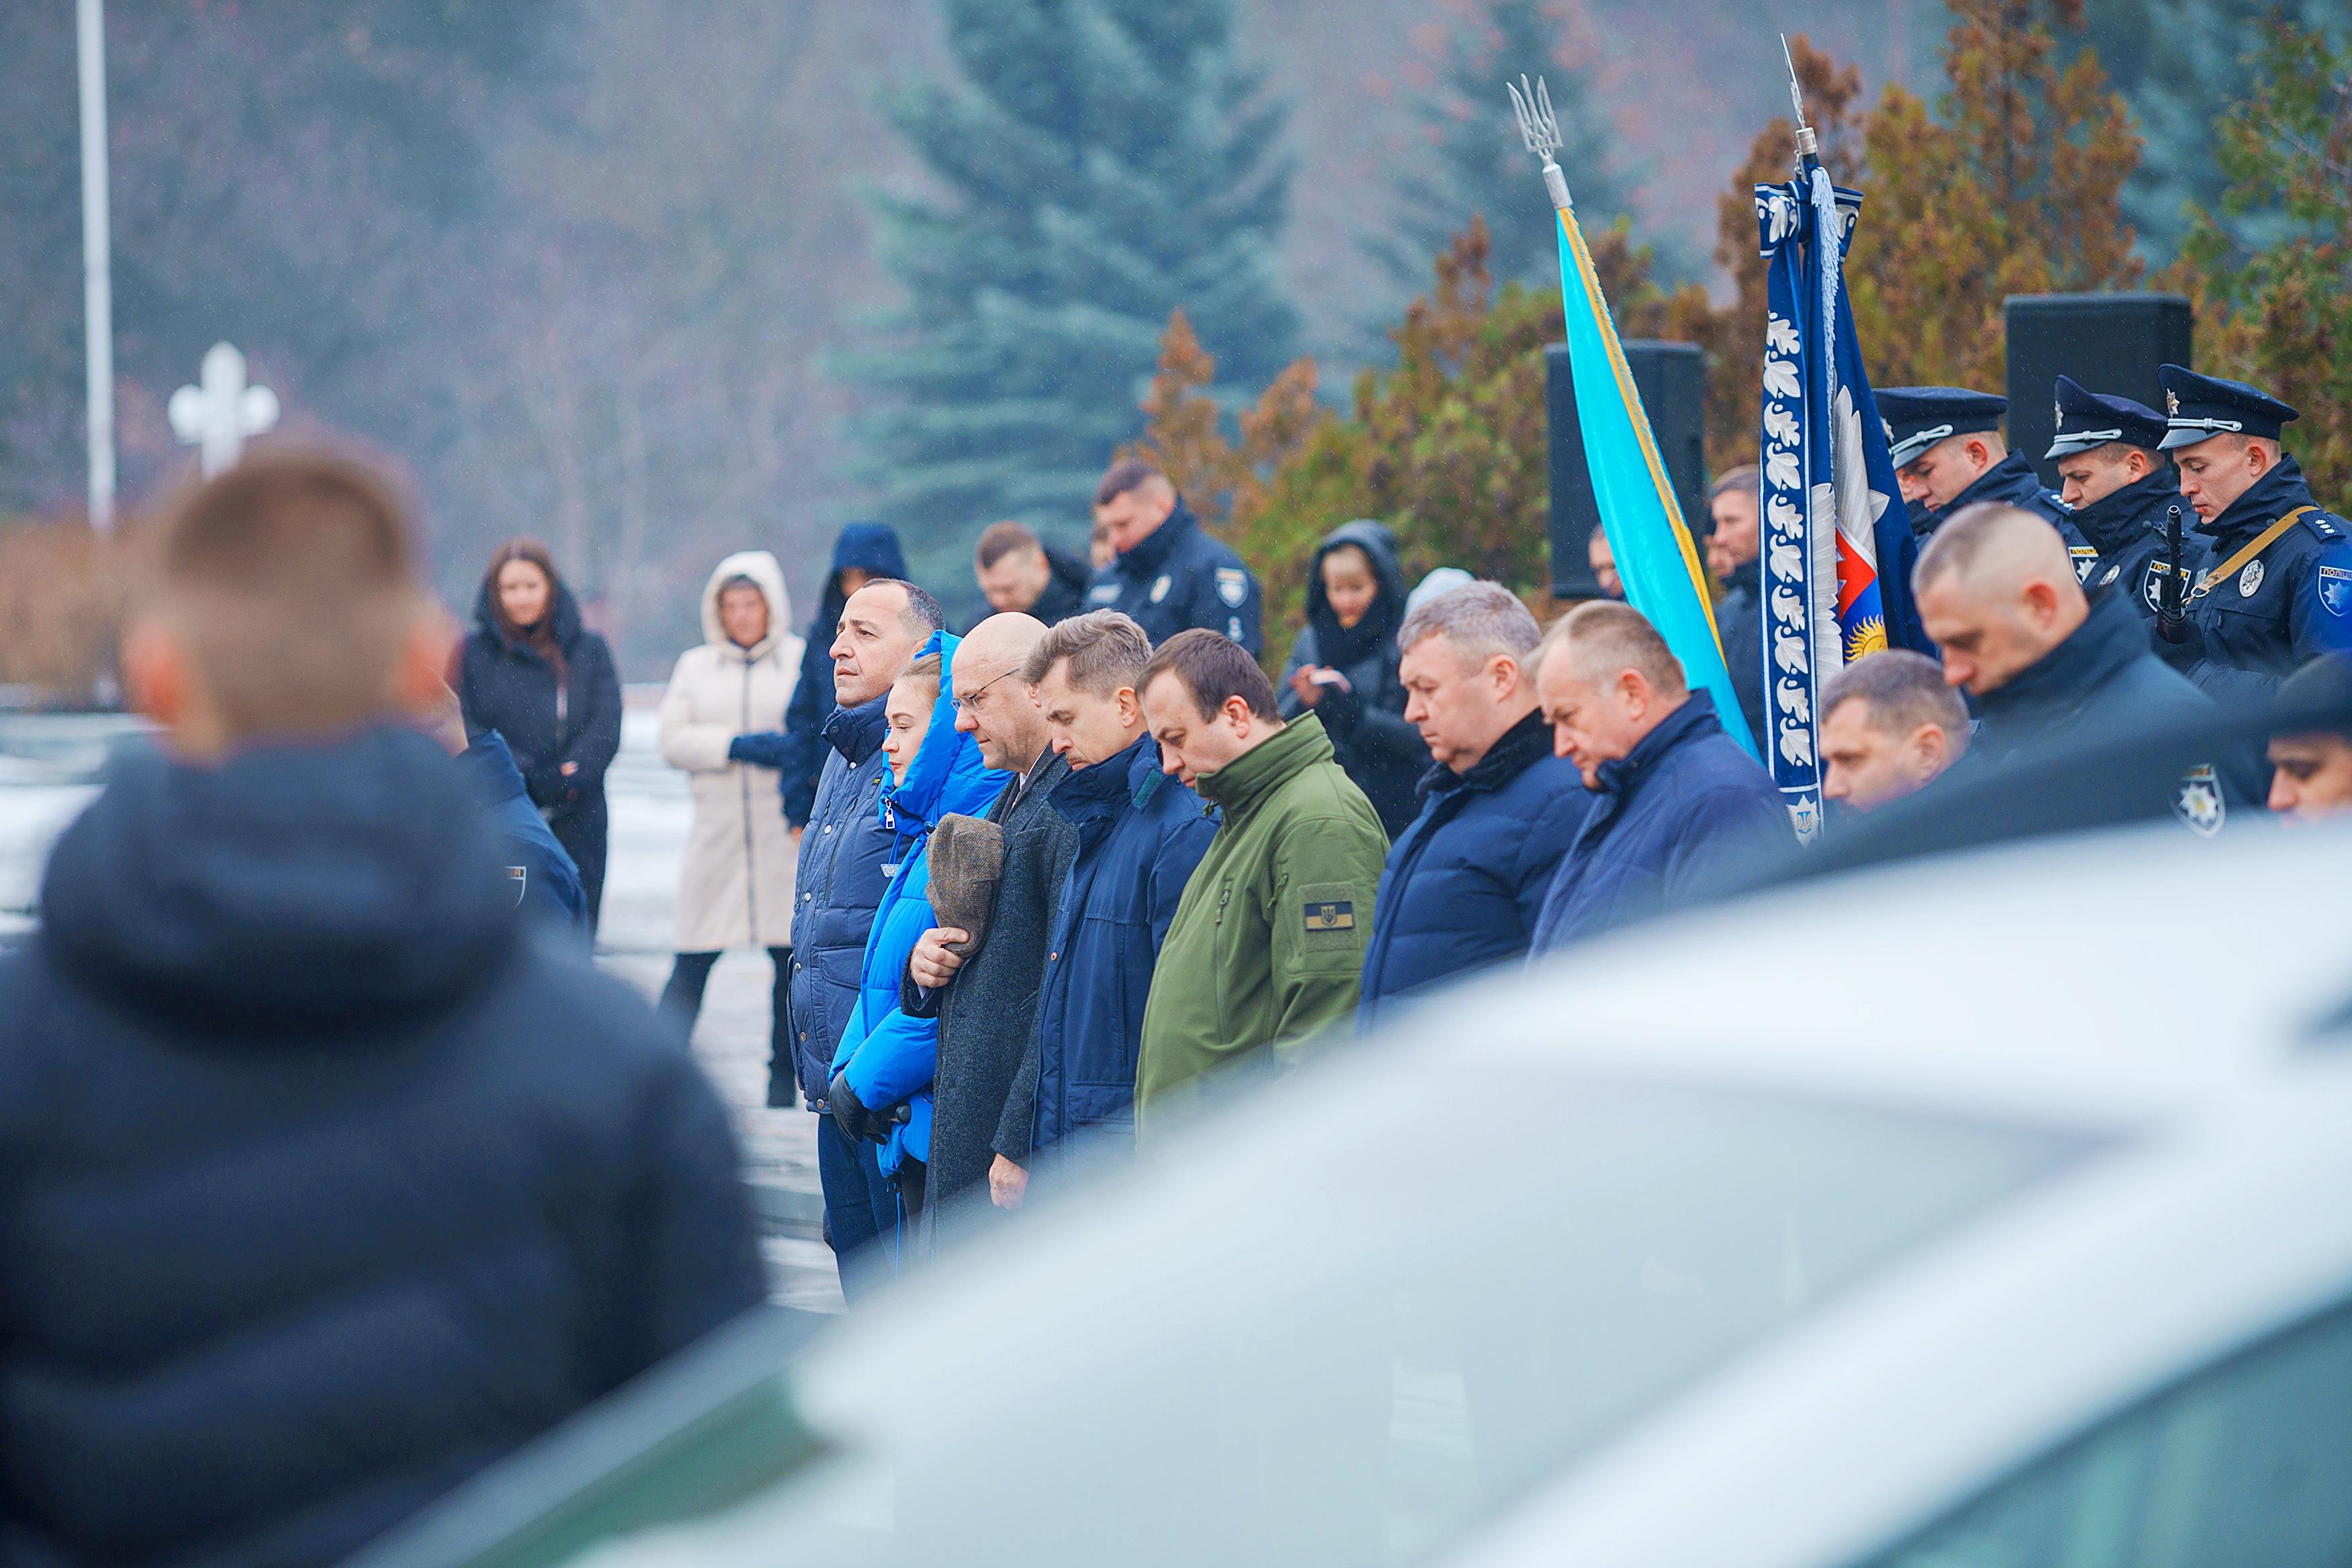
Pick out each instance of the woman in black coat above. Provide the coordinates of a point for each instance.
(531, 672)
(1344, 668)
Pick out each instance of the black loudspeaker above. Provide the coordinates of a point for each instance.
(1672, 379)
(2112, 344)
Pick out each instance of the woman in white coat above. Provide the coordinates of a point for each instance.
(737, 889)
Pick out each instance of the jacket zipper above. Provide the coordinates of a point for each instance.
(743, 784)
(1217, 960)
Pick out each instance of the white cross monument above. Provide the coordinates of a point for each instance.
(221, 411)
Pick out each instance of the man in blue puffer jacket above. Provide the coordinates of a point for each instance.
(887, 1058)
(1464, 882)
(1680, 808)
(321, 1186)
(1140, 833)
(845, 856)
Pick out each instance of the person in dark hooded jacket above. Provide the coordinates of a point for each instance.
(321, 1187)
(1344, 668)
(534, 673)
(864, 552)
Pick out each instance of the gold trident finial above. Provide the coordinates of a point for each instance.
(1539, 128)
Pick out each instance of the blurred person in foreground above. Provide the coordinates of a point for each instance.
(533, 671)
(1343, 666)
(1170, 573)
(1018, 573)
(1267, 943)
(847, 854)
(864, 553)
(2048, 666)
(1139, 832)
(539, 873)
(1680, 805)
(1465, 881)
(883, 1068)
(377, 1190)
(735, 889)
(1735, 555)
(2313, 780)
(1891, 724)
(986, 1002)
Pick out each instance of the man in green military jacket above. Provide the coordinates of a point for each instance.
(1268, 941)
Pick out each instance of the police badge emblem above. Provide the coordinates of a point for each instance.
(2249, 579)
(2114, 571)
(2172, 403)
(2151, 585)
(1232, 587)
(2336, 590)
(1159, 587)
(2085, 558)
(2198, 802)
(520, 876)
(2057, 423)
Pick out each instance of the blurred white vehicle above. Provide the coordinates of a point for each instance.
(1991, 1212)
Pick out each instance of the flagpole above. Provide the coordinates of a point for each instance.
(97, 263)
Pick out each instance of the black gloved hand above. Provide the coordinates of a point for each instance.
(2179, 644)
(849, 1113)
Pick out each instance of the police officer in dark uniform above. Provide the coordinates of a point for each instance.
(2279, 589)
(1169, 573)
(2121, 489)
(1948, 453)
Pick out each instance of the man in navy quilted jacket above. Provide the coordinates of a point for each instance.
(321, 1186)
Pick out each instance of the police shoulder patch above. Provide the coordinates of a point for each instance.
(2198, 802)
(1103, 594)
(1159, 587)
(520, 876)
(2325, 526)
(1233, 585)
(2335, 585)
(2085, 558)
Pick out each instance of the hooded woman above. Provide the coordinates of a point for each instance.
(736, 890)
(885, 1058)
(533, 672)
(1344, 668)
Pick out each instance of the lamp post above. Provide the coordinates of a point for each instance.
(96, 280)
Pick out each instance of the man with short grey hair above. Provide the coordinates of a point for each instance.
(1464, 882)
(1890, 725)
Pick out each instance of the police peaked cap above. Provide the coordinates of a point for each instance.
(1918, 417)
(2088, 419)
(2197, 406)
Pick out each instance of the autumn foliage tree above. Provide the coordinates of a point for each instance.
(2282, 317)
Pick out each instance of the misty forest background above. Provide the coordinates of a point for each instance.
(656, 282)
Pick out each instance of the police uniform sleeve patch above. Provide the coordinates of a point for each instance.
(1103, 594)
(520, 876)
(1232, 587)
(2198, 802)
(2336, 590)
(1159, 587)
(2085, 557)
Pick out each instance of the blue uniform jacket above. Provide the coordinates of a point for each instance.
(1672, 818)
(1464, 884)
(2127, 528)
(1140, 834)
(838, 881)
(2014, 481)
(546, 882)
(2102, 683)
(1179, 578)
(2286, 606)
(321, 1187)
(889, 1056)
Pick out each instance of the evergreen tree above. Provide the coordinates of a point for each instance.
(2183, 65)
(1103, 163)
(1472, 163)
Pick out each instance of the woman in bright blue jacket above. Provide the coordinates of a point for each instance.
(887, 1060)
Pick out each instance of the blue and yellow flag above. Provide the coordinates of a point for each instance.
(1661, 569)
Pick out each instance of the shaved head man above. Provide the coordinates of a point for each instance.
(1995, 591)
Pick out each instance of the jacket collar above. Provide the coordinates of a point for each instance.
(2113, 521)
(1519, 748)
(1240, 784)
(1153, 552)
(1129, 779)
(1747, 576)
(2013, 480)
(2270, 497)
(856, 732)
(1694, 721)
(2112, 637)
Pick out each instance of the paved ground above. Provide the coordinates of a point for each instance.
(48, 765)
(651, 815)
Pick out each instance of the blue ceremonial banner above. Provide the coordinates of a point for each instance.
(1654, 557)
(1837, 547)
